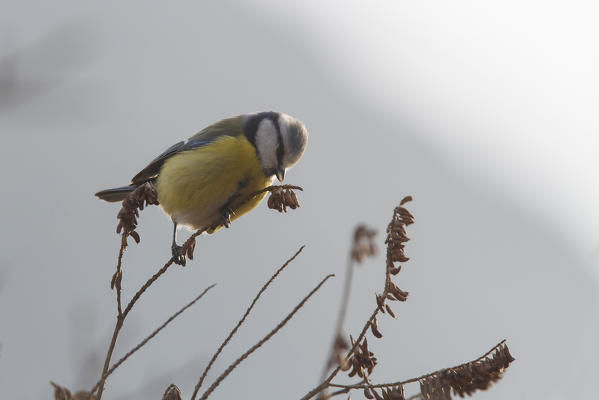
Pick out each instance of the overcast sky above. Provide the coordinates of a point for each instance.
(485, 112)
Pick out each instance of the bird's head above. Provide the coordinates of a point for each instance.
(279, 139)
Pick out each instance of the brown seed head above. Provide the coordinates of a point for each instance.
(84, 395)
(393, 393)
(363, 244)
(338, 356)
(363, 360)
(142, 196)
(280, 199)
(467, 378)
(172, 393)
(61, 393)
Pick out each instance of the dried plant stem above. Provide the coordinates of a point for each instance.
(326, 382)
(345, 297)
(145, 286)
(241, 321)
(119, 324)
(119, 273)
(418, 379)
(263, 340)
(153, 334)
(272, 188)
(342, 313)
(115, 334)
(116, 282)
(339, 392)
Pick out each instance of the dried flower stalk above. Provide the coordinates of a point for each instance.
(363, 244)
(362, 247)
(360, 358)
(263, 340)
(241, 321)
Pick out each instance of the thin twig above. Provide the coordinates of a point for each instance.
(119, 273)
(116, 283)
(342, 313)
(115, 334)
(153, 334)
(241, 321)
(119, 324)
(145, 286)
(338, 392)
(263, 340)
(272, 188)
(345, 297)
(418, 379)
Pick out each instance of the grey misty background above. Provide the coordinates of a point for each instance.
(90, 93)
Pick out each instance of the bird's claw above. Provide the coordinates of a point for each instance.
(226, 214)
(178, 255)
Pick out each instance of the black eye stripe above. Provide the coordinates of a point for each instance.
(280, 147)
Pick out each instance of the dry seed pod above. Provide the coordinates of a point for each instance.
(290, 199)
(390, 311)
(116, 280)
(397, 292)
(340, 347)
(172, 393)
(374, 327)
(135, 236)
(61, 393)
(376, 395)
(395, 270)
(405, 200)
(394, 393)
(190, 248)
(363, 244)
(281, 199)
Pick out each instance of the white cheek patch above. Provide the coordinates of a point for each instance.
(267, 142)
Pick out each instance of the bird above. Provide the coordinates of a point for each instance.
(204, 182)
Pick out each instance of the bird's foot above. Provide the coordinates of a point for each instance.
(178, 255)
(226, 213)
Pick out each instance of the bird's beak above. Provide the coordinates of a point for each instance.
(281, 174)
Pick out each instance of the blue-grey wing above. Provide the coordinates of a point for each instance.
(153, 168)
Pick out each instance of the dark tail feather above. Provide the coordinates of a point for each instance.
(116, 194)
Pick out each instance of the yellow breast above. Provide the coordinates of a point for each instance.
(195, 185)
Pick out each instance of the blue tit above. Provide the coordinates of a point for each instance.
(204, 182)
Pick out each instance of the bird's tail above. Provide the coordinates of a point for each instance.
(116, 194)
